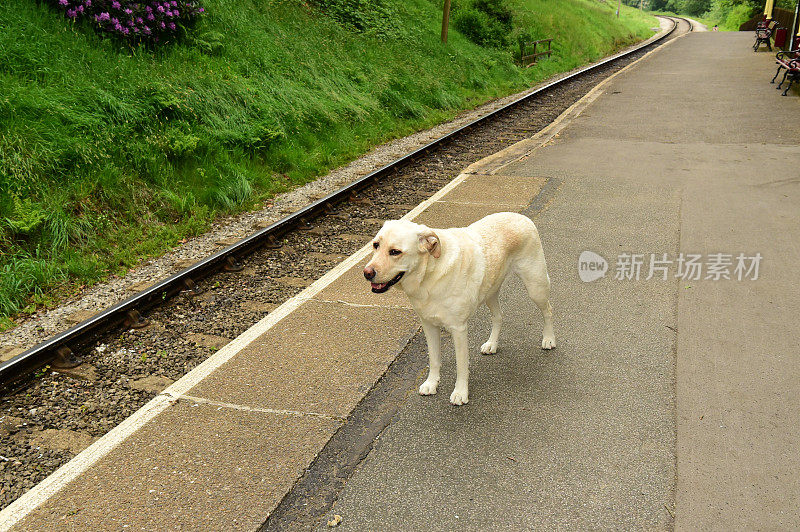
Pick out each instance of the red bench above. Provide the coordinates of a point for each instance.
(764, 32)
(789, 61)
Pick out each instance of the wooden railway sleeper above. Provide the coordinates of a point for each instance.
(134, 320)
(232, 264)
(65, 359)
(190, 288)
(355, 198)
(303, 225)
(273, 243)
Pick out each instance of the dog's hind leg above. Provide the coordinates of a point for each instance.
(434, 337)
(533, 273)
(490, 346)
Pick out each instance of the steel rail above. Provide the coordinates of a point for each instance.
(61, 346)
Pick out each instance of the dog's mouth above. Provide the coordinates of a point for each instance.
(380, 288)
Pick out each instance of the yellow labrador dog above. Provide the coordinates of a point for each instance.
(448, 273)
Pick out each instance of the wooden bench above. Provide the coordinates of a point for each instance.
(764, 33)
(789, 61)
(527, 60)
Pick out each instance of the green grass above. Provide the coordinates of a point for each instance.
(705, 20)
(109, 155)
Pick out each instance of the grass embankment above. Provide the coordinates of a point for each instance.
(109, 155)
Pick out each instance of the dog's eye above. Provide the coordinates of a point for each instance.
(394, 252)
(375, 245)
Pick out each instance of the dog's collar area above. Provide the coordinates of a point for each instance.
(380, 288)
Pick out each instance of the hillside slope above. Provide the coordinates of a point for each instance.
(110, 154)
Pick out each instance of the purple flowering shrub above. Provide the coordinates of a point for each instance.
(134, 20)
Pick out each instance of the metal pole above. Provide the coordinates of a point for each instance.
(445, 19)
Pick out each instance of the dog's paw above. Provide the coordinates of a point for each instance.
(459, 397)
(548, 342)
(489, 348)
(428, 387)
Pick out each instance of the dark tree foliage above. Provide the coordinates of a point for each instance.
(484, 22)
(375, 17)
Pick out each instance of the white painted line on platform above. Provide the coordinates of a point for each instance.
(260, 410)
(361, 305)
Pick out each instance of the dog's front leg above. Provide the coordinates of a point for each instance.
(434, 337)
(460, 395)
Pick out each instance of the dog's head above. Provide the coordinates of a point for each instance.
(400, 246)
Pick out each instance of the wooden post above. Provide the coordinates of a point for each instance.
(445, 19)
(768, 7)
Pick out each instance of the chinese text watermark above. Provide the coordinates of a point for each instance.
(684, 266)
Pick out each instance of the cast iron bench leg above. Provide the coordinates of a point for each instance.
(782, 80)
(791, 82)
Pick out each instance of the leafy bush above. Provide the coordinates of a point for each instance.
(485, 22)
(26, 218)
(154, 21)
(738, 15)
(496, 10)
(375, 17)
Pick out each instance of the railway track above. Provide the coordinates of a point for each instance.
(45, 417)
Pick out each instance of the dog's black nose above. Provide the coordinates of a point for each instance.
(369, 273)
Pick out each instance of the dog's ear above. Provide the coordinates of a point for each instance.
(428, 241)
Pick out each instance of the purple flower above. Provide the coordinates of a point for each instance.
(176, 13)
(114, 21)
(168, 13)
(118, 26)
(160, 9)
(63, 2)
(140, 20)
(148, 9)
(128, 11)
(201, 10)
(146, 29)
(102, 16)
(88, 3)
(80, 9)
(174, 3)
(135, 29)
(130, 23)
(71, 13)
(151, 17)
(172, 25)
(163, 25)
(125, 31)
(115, 4)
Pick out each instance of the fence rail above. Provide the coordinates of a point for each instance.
(527, 60)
